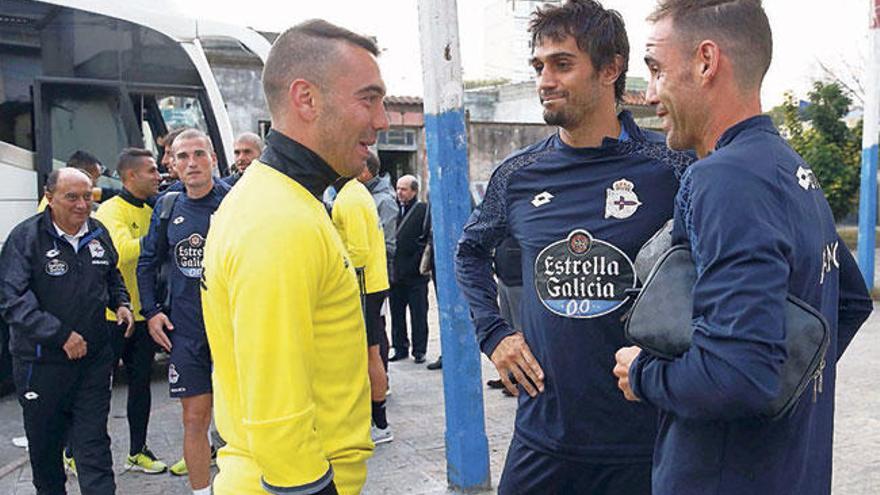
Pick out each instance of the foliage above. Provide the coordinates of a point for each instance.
(823, 139)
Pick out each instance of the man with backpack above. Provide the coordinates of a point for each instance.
(177, 236)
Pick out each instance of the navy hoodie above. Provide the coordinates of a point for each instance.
(187, 231)
(580, 216)
(759, 227)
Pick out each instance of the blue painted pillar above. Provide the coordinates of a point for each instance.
(467, 449)
(870, 136)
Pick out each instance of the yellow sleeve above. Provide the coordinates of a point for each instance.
(351, 221)
(128, 246)
(42, 204)
(271, 306)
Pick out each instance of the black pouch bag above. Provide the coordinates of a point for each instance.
(660, 323)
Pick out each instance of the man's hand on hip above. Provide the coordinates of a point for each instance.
(512, 356)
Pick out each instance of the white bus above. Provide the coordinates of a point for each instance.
(98, 76)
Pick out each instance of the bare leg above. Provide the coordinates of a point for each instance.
(196, 448)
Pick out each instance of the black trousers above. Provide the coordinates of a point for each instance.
(528, 472)
(137, 354)
(68, 401)
(414, 296)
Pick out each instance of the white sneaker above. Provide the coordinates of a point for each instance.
(381, 435)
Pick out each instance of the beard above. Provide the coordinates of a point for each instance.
(565, 118)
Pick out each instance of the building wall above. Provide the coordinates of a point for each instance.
(491, 142)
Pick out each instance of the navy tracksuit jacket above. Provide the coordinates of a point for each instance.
(759, 227)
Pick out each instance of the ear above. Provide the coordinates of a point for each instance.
(708, 60)
(304, 99)
(611, 71)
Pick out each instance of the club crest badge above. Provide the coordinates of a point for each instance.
(56, 268)
(621, 201)
(583, 277)
(96, 248)
(807, 179)
(173, 375)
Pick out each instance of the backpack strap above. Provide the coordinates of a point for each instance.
(166, 205)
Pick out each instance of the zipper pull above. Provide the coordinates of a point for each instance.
(818, 380)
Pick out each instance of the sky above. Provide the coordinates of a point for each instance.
(805, 32)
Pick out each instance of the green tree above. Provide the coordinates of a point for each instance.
(832, 149)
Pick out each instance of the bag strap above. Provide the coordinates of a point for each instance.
(166, 205)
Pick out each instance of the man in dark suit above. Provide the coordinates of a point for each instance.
(409, 287)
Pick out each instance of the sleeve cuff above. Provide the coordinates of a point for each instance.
(151, 312)
(491, 341)
(312, 488)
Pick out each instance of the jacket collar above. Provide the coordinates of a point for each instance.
(46, 223)
(131, 199)
(299, 163)
(758, 123)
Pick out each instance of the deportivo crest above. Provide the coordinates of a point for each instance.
(583, 277)
(56, 268)
(621, 200)
(173, 375)
(188, 254)
(96, 248)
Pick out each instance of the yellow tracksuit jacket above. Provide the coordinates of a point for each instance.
(284, 323)
(127, 224)
(357, 220)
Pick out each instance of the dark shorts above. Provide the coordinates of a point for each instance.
(189, 368)
(528, 472)
(373, 316)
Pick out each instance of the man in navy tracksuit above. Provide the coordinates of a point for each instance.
(580, 203)
(758, 227)
(58, 276)
(179, 241)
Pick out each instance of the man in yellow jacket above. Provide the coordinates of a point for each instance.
(280, 296)
(127, 218)
(357, 219)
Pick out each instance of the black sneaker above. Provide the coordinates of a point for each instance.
(419, 358)
(436, 365)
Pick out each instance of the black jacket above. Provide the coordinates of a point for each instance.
(413, 233)
(47, 290)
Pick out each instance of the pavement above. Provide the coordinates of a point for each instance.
(414, 463)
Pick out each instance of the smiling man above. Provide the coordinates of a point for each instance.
(580, 204)
(280, 296)
(757, 231)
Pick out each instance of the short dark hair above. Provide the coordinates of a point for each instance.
(741, 25)
(599, 32)
(83, 160)
(168, 139)
(193, 134)
(130, 158)
(373, 164)
(305, 51)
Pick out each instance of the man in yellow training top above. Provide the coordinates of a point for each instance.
(357, 219)
(280, 297)
(127, 218)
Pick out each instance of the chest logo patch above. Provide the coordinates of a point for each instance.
(52, 253)
(621, 200)
(96, 249)
(56, 268)
(541, 199)
(188, 254)
(178, 220)
(583, 277)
